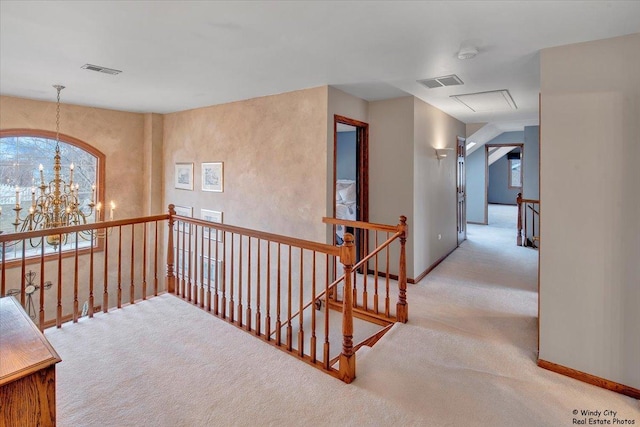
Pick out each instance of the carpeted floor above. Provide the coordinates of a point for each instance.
(467, 357)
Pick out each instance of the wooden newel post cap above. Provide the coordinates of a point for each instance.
(172, 209)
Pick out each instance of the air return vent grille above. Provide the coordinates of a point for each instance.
(435, 82)
(100, 69)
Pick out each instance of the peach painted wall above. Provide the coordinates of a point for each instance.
(119, 135)
(274, 151)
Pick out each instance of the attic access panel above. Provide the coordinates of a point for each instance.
(487, 102)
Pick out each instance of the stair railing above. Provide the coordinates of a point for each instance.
(528, 222)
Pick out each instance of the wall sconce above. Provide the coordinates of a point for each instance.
(441, 153)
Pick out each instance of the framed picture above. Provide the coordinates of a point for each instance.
(183, 177)
(213, 177)
(182, 263)
(180, 226)
(211, 268)
(184, 211)
(212, 216)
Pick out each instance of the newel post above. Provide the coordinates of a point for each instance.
(171, 278)
(519, 202)
(402, 308)
(347, 357)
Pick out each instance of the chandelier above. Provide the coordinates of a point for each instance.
(57, 203)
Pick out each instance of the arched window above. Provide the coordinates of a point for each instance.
(22, 151)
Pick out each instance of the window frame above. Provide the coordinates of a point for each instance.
(100, 185)
(509, 170)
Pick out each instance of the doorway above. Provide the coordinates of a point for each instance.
(503, 181)
(350, 176)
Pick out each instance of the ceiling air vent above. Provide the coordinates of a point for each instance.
(435, 82)
(100, 69)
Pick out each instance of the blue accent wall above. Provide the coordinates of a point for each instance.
(346, 167)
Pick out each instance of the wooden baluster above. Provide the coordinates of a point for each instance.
(224, 275)
(526, 233)
(519, 202)
(144, 261)
(188, 265)
(212, 268)
(59, 303)
(75, 283)
(387, 299)
(365, 271)
(278, 284)
(3, 285)
(402, 309)
(41, 317)
(155, 261)
(193, 262)
(300, 308)
(313, 309)
(259, 291)
(248, 315)
(233, 255)
(105, 294)
(240, 313)
(119, 266)
(201, 265)
(183, 262)
(218, 275)
(289, 329)
(132, 287)
(326, 353)
(91, 273)
(171, 278)
(347, 358)
(267, 320)
(375, 278)
(533, 223)
(23, 274)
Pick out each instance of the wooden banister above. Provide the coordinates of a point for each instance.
(402, 309)
(524, 206)
(347, 358)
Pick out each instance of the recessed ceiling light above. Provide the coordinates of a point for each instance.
(101, 69)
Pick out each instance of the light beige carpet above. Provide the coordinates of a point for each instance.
(467, 357)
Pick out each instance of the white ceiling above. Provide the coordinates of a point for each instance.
(182, 55)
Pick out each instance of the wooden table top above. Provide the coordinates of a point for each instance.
(23, 348)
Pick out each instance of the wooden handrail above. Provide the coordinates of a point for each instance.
(77, 228)
(276, 238)
(360, 224)
(522, 214)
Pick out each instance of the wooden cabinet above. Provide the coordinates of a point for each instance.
(27, 370)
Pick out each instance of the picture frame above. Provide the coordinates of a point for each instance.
(209, 269)
(183, 176)
(180, 226)
(212, 216)
(213, 177)
(184, 210)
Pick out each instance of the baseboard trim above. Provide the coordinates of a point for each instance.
(590, 379)
(430, 269)
(476, 223)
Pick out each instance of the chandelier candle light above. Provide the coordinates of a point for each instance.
(58, 203)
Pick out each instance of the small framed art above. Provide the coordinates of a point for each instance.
(213, 177)
(183, 177)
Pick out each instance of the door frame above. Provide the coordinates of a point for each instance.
(461, 217)
(362, 158)
(486, 172)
